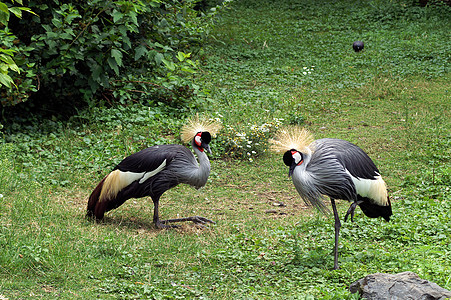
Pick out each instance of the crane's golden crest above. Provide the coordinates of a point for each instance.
(292, 137)
(195, 125)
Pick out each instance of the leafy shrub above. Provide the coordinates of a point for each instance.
(109, 50)
(11, 59)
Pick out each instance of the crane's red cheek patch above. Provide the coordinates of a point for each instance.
(198, 140)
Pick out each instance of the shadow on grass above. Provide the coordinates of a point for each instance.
(133, 223)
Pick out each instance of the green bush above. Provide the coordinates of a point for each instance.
(13, 64)
(114, 51)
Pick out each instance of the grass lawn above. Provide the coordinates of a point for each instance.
(289, 62)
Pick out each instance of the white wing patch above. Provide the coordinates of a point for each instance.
(117, 180)
(374, 189)
(147, 175)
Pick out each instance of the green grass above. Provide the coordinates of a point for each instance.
(392, 99)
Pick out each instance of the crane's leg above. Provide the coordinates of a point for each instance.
(156, 217)
(351, 210)
(337, 232)
(162, 223)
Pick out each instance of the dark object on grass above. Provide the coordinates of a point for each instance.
(405, 285)
(357, 46)
(334, 168)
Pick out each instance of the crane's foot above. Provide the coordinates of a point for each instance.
(351, 210)
(161, 225)
(200, 221)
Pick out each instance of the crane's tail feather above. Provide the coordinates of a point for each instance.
(373, 210)
(102, 196)
(105, 196)
(94, 198)
(321, 207)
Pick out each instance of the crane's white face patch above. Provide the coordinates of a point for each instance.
(297, 157)
(198, 139)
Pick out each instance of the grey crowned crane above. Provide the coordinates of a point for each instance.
(154, 170)
(334, 168)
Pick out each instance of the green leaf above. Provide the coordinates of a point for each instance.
(180, 56)
(155, 3)
(7, 59)
(159, 58)
(57, 22)
(169, 64)
(4, 8)
(27, 10)
(6, 80)
(8, 52)
(133, 17)
(70, 17)
(10, 64)
(140, 51)
(4, 14)
(113, 65)
(16, 11)
(96, 71)
(117, 56)
(117, 15)
(188, 69)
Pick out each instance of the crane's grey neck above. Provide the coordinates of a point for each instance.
(200, 175)
(304, 182)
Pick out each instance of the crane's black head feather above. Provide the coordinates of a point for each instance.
(292, 158)
(206, 137)
(288, 158)
(201, 141)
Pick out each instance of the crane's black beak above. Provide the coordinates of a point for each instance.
(206, 147)
(293, 165)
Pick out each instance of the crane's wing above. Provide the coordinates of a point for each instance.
(366, 179)
(327, 175)
(152, 158)
(354, 159)
(139, 167)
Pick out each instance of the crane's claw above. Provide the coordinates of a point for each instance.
(161, 225)
(199, 221)
(351, 210)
